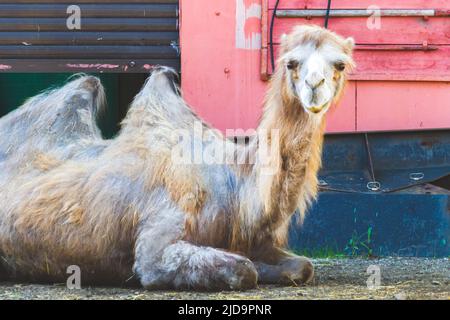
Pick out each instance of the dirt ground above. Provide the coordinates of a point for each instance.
(401, 278)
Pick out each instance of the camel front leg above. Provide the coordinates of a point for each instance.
(164, 261)
(183, 265)
(277, 266)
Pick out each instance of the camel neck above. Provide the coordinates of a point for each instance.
(284, 178)
(297, 155)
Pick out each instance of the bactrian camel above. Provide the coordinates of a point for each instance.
(131, 208)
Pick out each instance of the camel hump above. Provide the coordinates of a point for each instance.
(65, 114)
(162, 77)
(90, 85)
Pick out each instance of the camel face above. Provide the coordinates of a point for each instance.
(315, 64)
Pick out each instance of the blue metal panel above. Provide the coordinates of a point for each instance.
(412, 222)
(398, 160)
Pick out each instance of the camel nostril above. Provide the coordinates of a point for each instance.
(316, 85)
(321, 82)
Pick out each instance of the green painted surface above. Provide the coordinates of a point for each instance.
(15, 88)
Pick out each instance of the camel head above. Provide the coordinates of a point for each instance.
(313, 65)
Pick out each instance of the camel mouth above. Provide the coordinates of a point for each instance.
(315, 109)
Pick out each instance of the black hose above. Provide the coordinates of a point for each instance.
(272, 22)
(327, 15)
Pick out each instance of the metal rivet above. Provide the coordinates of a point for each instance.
(374, 186)
(131, 64)
(416, 176)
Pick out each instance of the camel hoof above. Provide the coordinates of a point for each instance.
(239, 275)
(297, 271)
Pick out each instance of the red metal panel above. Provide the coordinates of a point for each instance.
(352, 4)
(403, 65)
(343, 117)
(222, 82)
(394, 30)
(403, 105)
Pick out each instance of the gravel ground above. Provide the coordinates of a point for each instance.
(401, 278)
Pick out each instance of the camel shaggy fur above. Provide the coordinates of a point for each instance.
(148, 207)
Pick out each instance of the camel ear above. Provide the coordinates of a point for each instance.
(349, 44)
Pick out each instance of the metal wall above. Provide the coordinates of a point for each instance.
(115, 36)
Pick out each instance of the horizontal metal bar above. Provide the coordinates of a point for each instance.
(394, 47)
(88, 52)
(90, 10)
(85, 65)
(355, 13)
(90, 24)
(88, 38)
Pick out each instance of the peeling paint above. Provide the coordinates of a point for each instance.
(147, 67)
(5, 67)
(248, 24)
(97, 66)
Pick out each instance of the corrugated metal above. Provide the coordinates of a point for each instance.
(115, 36)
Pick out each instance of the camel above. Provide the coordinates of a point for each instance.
(137, 210)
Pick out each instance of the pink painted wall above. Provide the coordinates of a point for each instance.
(220, 80)
(221, 65)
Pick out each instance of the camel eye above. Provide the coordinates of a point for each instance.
(292, 64)
(339, 66)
